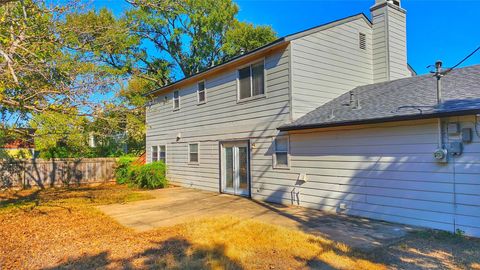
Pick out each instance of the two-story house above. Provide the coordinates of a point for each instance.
(331, 118)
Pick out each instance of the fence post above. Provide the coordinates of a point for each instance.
(24, 169)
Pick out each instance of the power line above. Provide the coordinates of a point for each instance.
(463, 60)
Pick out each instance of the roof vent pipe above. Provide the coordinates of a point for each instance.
(439, 75)
(354, 102)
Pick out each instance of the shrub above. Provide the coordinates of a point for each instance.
(150, 175)
(122, 172)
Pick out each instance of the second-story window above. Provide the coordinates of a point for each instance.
(251, 81)
(201, 92)
(176, 100)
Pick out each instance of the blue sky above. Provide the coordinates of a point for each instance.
(445, 30)
(436, 29)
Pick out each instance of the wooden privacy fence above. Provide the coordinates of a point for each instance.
(56, 172)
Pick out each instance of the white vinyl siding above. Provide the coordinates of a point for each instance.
(201, 92)
(251, 81)
(329, 63)
(389, 45)
(222, 118)
(382, 171)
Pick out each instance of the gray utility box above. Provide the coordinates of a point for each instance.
(467, 135)
(453, 128)
(456, 148)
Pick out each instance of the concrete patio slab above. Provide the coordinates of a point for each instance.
(177, 205)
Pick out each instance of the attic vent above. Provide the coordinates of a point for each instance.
(362, 38)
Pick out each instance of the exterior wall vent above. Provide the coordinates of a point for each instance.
(362, 41)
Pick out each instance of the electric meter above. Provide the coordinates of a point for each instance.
(440, 154)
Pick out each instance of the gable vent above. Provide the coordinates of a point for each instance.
(362, 41)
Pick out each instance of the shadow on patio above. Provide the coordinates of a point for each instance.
(178, 205)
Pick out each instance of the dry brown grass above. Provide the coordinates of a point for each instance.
(61, 229)
(433, 250)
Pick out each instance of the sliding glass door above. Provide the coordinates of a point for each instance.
(235, 168)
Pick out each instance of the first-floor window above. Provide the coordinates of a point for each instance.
(154, 153)
(193, 153)
(281, 152)
(162, 153)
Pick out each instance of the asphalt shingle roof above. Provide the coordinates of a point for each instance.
(403, 99)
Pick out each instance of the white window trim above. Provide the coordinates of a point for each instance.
(198, 153)
(274, 155)
(204, 90)
(264, 95)
(164, 145)
(179, 100)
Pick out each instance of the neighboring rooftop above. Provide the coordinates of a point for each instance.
(403, 99)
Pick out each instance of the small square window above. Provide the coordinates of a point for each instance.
(193, 153)
(176, 100)
(201, 91)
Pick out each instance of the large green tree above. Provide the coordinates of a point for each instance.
(195, 34)
(38, 71)
(60, 135)
(153, 43)
(58, 62)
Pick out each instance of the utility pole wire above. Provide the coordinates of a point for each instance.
(463, 60)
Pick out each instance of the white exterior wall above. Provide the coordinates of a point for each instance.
(389, 43)
(383, 171)
(329, 63)
(221, 118)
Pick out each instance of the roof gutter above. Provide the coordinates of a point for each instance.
(264, 48)
(382, 120)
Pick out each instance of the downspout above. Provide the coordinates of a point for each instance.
(439, 75)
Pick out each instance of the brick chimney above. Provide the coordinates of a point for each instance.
(389, 41)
